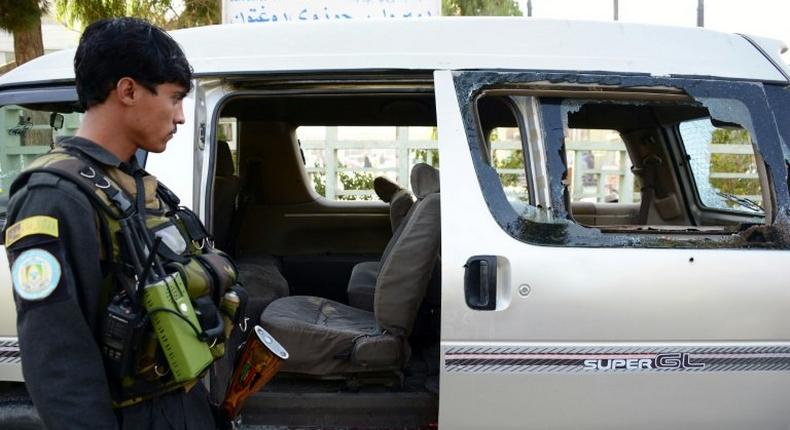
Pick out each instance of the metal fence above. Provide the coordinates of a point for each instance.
(24, 135)
(403, 146)
(15, 154)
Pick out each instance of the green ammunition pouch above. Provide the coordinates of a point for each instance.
(164, 337)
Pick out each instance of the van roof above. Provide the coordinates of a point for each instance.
(503, 43)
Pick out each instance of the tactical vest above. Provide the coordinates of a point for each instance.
(185, 251)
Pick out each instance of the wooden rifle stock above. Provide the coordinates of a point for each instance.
(260, 360)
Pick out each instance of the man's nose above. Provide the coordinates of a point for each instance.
(179, 118)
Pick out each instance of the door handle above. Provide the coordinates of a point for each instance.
(480, 282)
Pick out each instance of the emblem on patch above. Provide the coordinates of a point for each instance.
(35, 274)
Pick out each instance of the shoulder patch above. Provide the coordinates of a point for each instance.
(35, 274)
(40, 224)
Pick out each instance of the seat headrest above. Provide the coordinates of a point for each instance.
(224, 159)
(385, 188)
(424, 180)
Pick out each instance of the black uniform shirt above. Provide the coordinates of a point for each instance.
(58, 334)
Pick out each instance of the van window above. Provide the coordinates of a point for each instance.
(342, 161)
(227, 131)
(635, 166)
(723, 165)
(507, 157)
(504, 147)
(28, 132)
(599, 168)
(674, 194)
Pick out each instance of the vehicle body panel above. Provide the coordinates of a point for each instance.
(597, 300)
(451, 43)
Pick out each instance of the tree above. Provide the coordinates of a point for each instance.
(168, 14)
(733, 163)
(199, 12)
(481, 8)
(22, 18)
(355, 181)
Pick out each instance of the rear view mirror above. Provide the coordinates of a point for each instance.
(56, 120)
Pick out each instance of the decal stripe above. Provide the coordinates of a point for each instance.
(9, 351)
(616, 359)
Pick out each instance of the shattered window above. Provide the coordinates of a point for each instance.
(504, 149)
(507, 157)
(723, 164)
(628, 152)
(629, 161)
(599, 168)
(601, 185)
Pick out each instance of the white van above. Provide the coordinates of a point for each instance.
(615, 216)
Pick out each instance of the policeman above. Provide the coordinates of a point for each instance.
(131, 78)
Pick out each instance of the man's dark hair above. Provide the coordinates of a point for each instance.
(111, 49)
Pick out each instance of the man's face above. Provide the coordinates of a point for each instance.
(156, 116)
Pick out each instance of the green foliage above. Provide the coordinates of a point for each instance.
(514, 160)
(16, 15)
(168, 14)
(80, 13)
(725, 136)
(428, 156)
(349, 181)
(356, 181)
(738, 187)
(733, 163)
(480, 8)
(319, 182)
(199, 12)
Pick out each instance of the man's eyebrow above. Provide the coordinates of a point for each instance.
(181, 94)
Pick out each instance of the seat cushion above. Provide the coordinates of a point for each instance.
(263, 281)
(362, 285)
(324, 337)
(401, 202)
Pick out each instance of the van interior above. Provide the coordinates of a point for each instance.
(349, 288)
(678, 184)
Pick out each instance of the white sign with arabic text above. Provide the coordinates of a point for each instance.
(262, 11)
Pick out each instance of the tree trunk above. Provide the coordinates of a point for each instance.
(28, 43)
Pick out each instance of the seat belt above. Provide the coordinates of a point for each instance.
(248, 194)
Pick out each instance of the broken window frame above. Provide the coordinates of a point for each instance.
(551, 225)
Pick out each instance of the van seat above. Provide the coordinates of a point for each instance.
(400, 199)
(602, 214)
(226, 190)
(326, 338)
(362, 283)
(262, 277)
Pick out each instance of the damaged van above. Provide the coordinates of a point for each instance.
(580, 224)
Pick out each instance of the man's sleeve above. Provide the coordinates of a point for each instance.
(53, 250)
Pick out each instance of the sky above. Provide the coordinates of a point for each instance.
(770, 18)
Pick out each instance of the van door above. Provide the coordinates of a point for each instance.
(657, 322)
(26, 115)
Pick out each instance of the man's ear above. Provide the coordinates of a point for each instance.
(127, 91)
